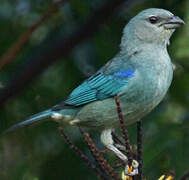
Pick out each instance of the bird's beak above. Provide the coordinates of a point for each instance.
(173, 23)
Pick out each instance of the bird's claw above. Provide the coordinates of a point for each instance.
(132, 170)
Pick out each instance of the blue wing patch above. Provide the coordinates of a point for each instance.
(127, 73)
(98, 87)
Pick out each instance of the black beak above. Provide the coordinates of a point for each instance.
(173, 23)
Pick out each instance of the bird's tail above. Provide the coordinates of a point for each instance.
(36, 118)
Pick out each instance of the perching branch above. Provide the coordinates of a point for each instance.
(139, 148)
(124, 130)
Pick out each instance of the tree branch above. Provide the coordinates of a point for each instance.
(185, 177)
(99, 159)
(82, 156)
(139, 148)
(124, 130)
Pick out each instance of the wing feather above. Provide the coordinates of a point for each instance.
(98, 87)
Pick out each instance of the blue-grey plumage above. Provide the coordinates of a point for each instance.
(36, 118)
(140, 74)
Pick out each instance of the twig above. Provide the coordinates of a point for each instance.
(120, 141)
(82, 156)
(119, 164)
(98, 156)
(117, 139)
(139, 148)
(123, 129)
(52, 52)
(24, 38)
(94, 153)
(185, 177)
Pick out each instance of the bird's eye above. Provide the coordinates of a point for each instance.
(153, 19)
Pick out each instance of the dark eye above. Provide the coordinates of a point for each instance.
(153, 19)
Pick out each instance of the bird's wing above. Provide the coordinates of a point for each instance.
(99, 86)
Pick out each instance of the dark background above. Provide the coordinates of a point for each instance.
(39, 153)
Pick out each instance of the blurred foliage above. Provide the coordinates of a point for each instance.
(39, 153)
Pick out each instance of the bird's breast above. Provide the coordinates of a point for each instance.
(150, 86)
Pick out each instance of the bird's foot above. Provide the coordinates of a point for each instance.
(131, 170)
(107, 140)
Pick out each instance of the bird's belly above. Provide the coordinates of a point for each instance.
(103, 114)
(135, 104)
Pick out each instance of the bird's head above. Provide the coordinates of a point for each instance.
(151, 26)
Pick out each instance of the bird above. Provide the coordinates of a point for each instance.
(139, 75)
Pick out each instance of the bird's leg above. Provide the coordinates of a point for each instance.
(118, 142)
(121, 147)
(107, 140)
